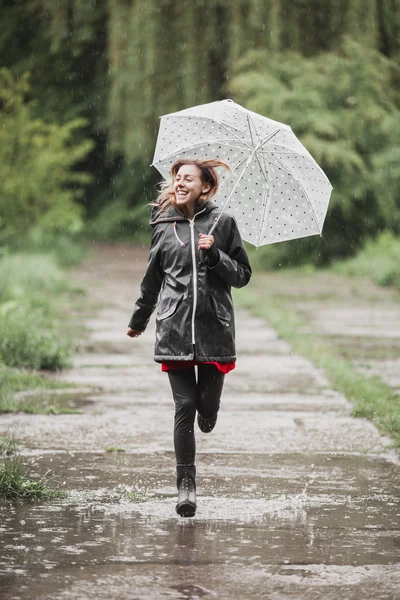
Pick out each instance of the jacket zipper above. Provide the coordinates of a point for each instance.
(191, 224)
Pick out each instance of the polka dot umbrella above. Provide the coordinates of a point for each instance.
(276, 191)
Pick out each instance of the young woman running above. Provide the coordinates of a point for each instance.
(189, 277)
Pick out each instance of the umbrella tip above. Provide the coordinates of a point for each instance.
(227, 100)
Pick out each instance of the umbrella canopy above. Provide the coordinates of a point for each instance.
(276, 190)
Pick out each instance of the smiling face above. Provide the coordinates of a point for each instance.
(188, 187)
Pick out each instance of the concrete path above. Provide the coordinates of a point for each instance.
(296, 498)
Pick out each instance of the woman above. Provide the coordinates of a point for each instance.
(190, 274)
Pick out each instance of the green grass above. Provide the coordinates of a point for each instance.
(114, 449)
(14, 481)
(138, 497)
(371, 397)
(31, 332)
(30, 276)
(13, 381)
(379, 260)
(8, 444)
(35, 310)
(30, 339)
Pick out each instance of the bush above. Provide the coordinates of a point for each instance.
(379, 260)
(28, 335)
(63, 249)
(118, 221)
(30, 340)
(26, 277)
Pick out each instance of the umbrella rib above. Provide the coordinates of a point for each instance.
(306, 155)
(213, 119)
(304, 191)
(236, 136)
(267, 193)
(192, 146)
(279, 166)
(284, 152)
(248, 161)
(249, 119)
(269, 137)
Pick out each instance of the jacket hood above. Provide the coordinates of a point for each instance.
(172, 214)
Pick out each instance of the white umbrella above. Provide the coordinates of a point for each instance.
(277, 191)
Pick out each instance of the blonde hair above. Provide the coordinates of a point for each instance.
(208, 175)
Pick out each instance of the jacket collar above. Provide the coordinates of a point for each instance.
(172, 214)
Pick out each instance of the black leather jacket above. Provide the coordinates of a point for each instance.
(195, 318)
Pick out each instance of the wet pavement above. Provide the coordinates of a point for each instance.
(296, 499)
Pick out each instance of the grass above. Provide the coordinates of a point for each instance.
(379, 260)
(35, 300)
(16, 485)
(114, 449)
(13, 381)
(31, 332)
(8, 445)
(14, 482)
(138, 497)
(371, 397)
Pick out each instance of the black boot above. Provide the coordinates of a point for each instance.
(206, 425)
(186, 482)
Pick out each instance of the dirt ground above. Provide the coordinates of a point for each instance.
(296, 499)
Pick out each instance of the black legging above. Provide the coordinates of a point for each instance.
(189, 396)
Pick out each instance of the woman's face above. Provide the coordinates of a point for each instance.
(188, 186)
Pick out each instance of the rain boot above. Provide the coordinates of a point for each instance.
(186, 482)
(206, 425)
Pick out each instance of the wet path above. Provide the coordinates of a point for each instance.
(296, 498)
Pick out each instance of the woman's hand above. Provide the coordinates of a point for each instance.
(205, 241)
(133, 333)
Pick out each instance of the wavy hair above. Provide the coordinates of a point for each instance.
(208, 175)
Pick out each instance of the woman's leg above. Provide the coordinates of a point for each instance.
(183, 385)
(210, 382)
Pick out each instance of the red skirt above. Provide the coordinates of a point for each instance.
(172, 365)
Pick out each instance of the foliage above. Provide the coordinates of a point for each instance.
(16, 485)
(61, 249)
(32, 278)
(29, 335)
(118, 221)
(121, 64)
(8, 444)
(344, 109)
(30, 340)
(379, 259)
(39, 185)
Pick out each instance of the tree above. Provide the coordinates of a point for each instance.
(343, 107)
(38, 183)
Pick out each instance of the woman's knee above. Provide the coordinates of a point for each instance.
(185, 411)
(209, 390)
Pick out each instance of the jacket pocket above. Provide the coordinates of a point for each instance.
(220, 310)
(170, 310)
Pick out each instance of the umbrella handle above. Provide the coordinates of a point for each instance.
(202, 253)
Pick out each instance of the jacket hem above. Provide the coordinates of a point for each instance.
(222, 359)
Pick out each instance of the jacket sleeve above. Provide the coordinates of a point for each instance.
(233, 266)
(150, 286)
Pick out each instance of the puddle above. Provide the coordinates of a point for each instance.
(69, 399)
(254, 511)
